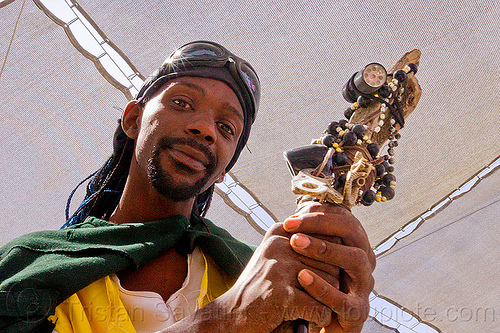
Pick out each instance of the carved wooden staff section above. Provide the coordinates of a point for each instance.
(345, 165)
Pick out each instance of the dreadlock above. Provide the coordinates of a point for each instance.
(106, 185)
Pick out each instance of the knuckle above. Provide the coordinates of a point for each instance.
(359, 255)
(275, 229)
(364, 310)
(345, 307)
(321, 250)
(371, 283)
(274, 245)
(277, 242)
(356, 232)
(372, 258)
(323, 293)
(355, 310)
(359, 262)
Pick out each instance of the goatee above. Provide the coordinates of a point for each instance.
(165, 183)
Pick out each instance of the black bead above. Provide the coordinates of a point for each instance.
(328, 140)
(373, 148)
(388, 179)
(391, 160)
(368, 198)
(331, 129)
(413, 68)
(400, 75)
(359, 130)
(340, 181)
(391, 137)
(397, 136)
(386, 157)
(348, 113)
(395, 143)
(388, 192)
(363, 101)
(339, 159)
(384, 91)
(350, 139)
(390, 151)
(343, 123)
(390, 169)
(386, 165)
(391, 144)
(380, 168)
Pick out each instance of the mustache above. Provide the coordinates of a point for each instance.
(168, 142)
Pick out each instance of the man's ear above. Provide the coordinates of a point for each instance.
(221, 177)
(131, 119)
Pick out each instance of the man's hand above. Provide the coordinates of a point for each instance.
(268, 292)
(323, 250)
(316, 266)
(312, 222)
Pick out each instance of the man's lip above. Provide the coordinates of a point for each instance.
(189, 153)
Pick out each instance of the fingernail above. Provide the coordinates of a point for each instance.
(305, 277)
(300, 241)
(292, 223)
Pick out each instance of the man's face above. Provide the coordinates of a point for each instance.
(188, 134)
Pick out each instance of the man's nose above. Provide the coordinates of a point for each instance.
(203, 127)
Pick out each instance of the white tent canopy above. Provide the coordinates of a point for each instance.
(60, 111)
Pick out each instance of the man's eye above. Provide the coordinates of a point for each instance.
(182, 103)
(226, 128)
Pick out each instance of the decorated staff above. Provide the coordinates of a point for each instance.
(345, 165)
